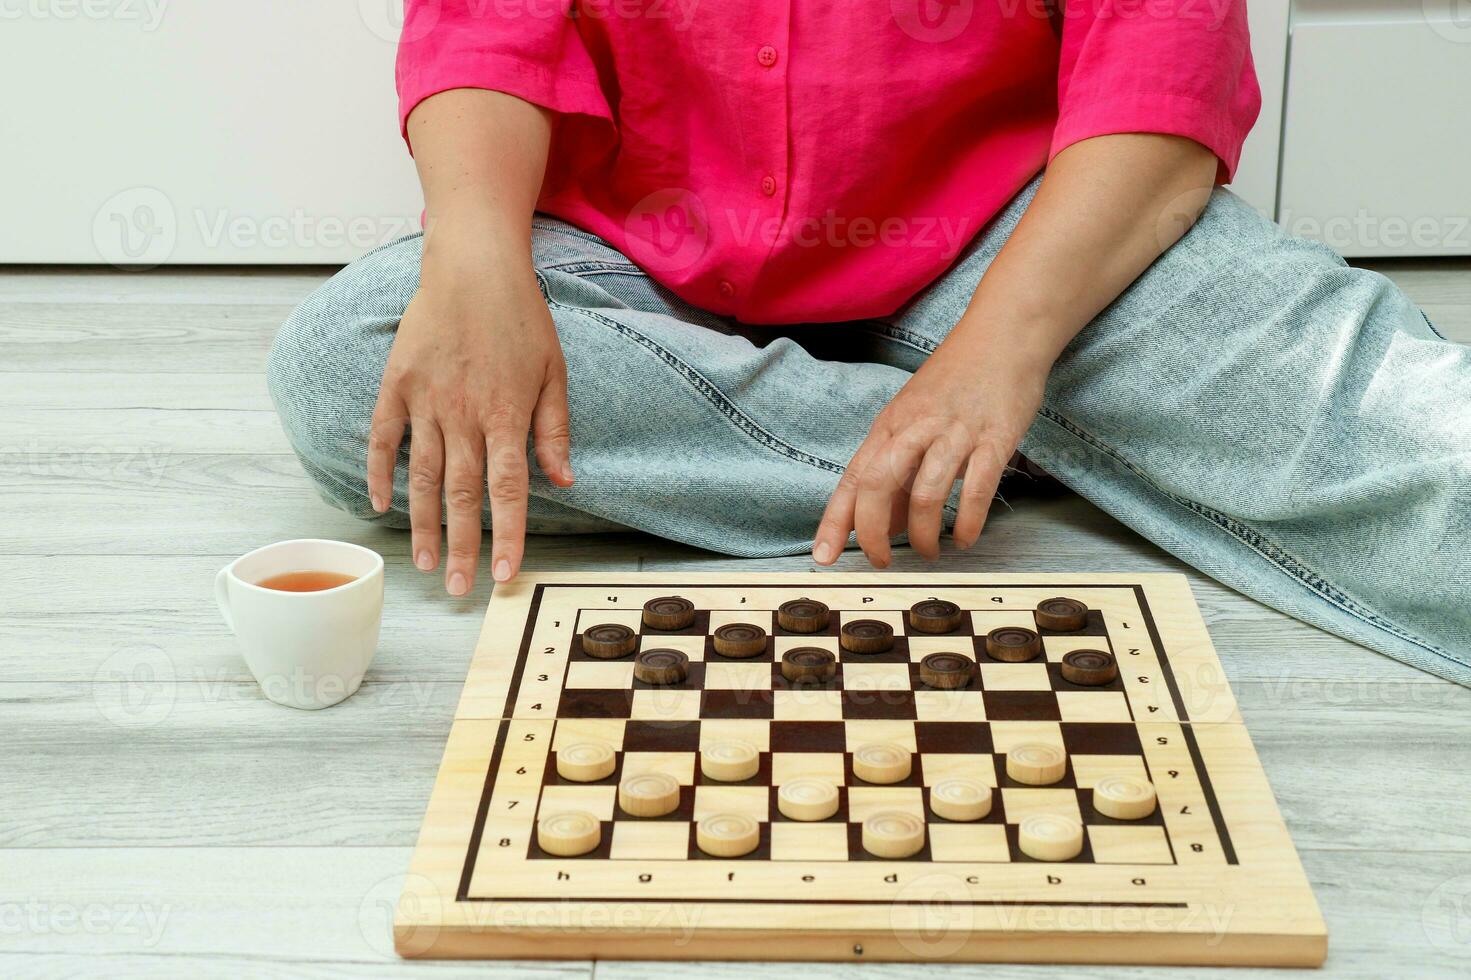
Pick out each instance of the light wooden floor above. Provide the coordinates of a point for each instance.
(158, 817)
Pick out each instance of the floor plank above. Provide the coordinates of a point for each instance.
(173, 286)
(129, 431)
(61, 391)
(159, 610)
(146, 338)
(152, 501)
(261, 910)
(186, 764)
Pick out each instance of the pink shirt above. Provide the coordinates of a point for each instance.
(789, 162)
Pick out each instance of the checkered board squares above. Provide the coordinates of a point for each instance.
(870, 691)
(1214, 841)
(812, 728)
(865, 686)
(824, 750)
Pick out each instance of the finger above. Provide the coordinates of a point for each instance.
(886, 475)
(385, 435)
(930, 493)
(464, 483)
(982, 475)
(506, 457)
(837, 518)
(898, 514)
(551, 432)
(426, 478)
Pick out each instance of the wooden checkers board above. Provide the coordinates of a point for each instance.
(1210, 876)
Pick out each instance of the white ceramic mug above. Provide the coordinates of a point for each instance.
(306, 649)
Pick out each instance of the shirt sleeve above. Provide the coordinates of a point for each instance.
(531, 50)
(1181, 67)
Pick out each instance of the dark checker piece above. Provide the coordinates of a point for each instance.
(1061, 614)
(808, 664)
(934, 616)
(609, 641)
(661, 666)
(866, 636)
(1089, 667)
(802, 616)
(670, 612)
(1013, 644)
(946, 670)
(739, 640)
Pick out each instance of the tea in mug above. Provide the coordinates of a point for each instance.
(306, 581)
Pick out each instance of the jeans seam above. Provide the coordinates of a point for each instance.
(1426, 317)
(585, 266)
(390, 244)
(564, 228)
(1281, 558)
(900, 335)
(699, 383)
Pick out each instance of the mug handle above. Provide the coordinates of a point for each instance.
(222, 596)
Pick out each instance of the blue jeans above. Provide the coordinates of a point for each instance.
(1288, 425)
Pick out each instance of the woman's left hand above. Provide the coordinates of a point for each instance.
(961, 416)
(1109, 205)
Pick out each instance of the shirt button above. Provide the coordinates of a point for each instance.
(768, 185)
(766, 56)
(726, 289)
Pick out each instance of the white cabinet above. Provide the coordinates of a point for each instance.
(1376, 152)
(145, 131)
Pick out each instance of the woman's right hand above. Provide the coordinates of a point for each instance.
(475, 365)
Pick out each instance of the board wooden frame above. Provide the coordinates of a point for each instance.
(1254, 909)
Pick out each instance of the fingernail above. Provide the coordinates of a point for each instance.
(457, 584)
(567, 472)
(378, 503)
(501, 571)
(823, 553)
